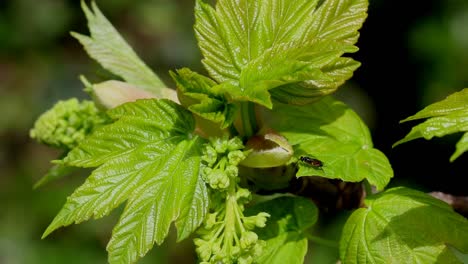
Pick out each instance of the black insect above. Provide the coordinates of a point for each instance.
(316, 163)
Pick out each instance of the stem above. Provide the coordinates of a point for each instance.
(367, 188)
(322, 241)
(230, 232)
(248, 119)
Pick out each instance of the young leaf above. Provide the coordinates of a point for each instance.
(54, 173)
(208, 103)
(445, 117)
(233, 35)
(106, 46)
(403, 226)
(149, 158)
(288, 63)
(284, 234)
(334, 75)
(333, 133)
(461, 147)
(338, 20)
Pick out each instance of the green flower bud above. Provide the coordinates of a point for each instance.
(247, 259)
(259, 220)
(248, 239)
(67, 123)
(203, 249)
(221, 146)
(216, 250)
(235, 144)
(258, 248)
(231, 171)
(209, 155)
(206, 171)
(235, 157)
(218, 179)
(243, 193)
(210, 220)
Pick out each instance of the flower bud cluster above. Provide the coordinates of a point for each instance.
(224, 241)
(221, 157)
(67, 123)
(227, 235)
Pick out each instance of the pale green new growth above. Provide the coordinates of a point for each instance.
(67, 123)
(247, 46)
(227, 235)
(106, 46)
(445, 117)
(149, 158)
(403, 226)
(333, 133)
(65, 126)
(284, 55)
(204, 100)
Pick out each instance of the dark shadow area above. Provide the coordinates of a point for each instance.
(399, 46)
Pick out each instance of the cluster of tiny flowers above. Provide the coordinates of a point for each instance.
(221, 158)
(227, 235)
(67, 123)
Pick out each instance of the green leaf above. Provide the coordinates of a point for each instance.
(54, 173)
(288, 63)
(338, 20)
(403, 226)
(239, 39)
(462, 147)
(454, 103)
(150, 159)
(330, 131)
(171, 191)
(445, 117)
(106, 46)
(284, 232)
(208, 103)
(306, 92)
(138, 123)
(289, 247)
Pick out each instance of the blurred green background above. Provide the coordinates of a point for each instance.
(413, 54)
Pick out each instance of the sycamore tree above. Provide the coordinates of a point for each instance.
(234, 158)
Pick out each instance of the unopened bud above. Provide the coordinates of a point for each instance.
(111, 94)
(268, 150)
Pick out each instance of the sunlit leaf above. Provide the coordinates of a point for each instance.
(445, 117)
(403, 226)
(247, 46)
(148, 158)
(207, 103)
(334, 134)
(106, 46)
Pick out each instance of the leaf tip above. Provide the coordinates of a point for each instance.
(86, 10)
(38, 184)
(454, 156)
(405, 120)
(48, 231)
(397, 143)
